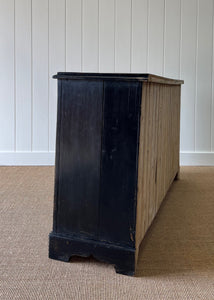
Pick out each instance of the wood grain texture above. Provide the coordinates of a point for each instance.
(117, 155)
(158, 161)
(119, 161)
(78, 152)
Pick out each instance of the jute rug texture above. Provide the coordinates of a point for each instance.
(176, 259)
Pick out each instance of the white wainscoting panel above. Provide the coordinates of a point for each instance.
(123, 23)
(40, 78)
(23, 78)
(204, 76)
(90, 35)
(106, 36)
(139, 45)
(56, 61)
(189, 17)
(73, 34)
(7, 76)
(38, 38)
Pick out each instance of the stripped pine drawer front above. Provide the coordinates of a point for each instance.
(117, 153)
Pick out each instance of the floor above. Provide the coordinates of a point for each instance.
(176, 259)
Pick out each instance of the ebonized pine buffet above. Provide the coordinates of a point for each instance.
(117, 153)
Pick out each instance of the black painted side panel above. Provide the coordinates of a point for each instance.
(119, 161)
(64, 247)
(78, 157)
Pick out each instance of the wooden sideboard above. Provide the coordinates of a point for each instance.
(117, 153)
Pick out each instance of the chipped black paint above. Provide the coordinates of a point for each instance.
(96, 169)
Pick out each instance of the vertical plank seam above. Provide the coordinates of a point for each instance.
(31, 75)
(98, 35)
(138, 160)
(131, 28)
(101, 151)
(48, 76)
(164, 37)
(196, 74)
(212, 84)
(65, 36)
(180, 59)
(81, 35)
(147, 54)
(114, 35)
(180, 45)
(14, 66)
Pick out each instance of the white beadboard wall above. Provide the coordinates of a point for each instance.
(173, 38)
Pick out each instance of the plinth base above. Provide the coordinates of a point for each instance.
(63, 247)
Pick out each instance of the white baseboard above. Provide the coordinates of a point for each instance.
(27, 158)
(48, 158)
(197, 158)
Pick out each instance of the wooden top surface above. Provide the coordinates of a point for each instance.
(116, 76)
